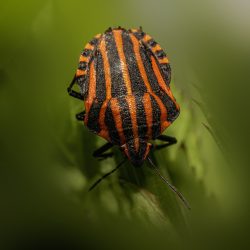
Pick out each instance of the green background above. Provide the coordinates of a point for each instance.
(46, 155)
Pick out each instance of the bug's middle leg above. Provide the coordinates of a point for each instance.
(100, 152)
(168, 141)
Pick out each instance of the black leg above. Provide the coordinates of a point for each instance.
(168, 139)
(80, 116)
(99, 153)
(106, 175)
(73, 92)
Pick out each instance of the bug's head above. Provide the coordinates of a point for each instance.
(136, 151)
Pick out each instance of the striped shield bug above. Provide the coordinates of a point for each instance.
(124, 80)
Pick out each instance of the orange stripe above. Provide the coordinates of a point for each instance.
(164, 60)
(106, 67)
(156, 47)
(139, 62)
(163, 112)
(118, 120)
(80, 72)
(148, 110)
(161, 81)
(146, 38)
(89, 46)
(132, 111)
(134, 30)
(92, 81)
(119, 45)
(104, 130)
(145, 78)
(91, 90)
(98, 36)
(83, 58)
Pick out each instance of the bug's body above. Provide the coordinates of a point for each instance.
(124, 78)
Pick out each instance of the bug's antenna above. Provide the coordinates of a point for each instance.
(107, 174)
(157, 171)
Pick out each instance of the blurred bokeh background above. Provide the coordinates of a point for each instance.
(46, 155)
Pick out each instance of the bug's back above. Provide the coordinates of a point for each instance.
(128, 94)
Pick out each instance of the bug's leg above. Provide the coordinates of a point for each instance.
(156, 51)
(80, 116)
(100, 152)
(107, 174)
(168, 139)
(72, 92)
(83, 67)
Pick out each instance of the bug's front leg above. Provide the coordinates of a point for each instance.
(72, 92)
(168, 141)
(100, 152)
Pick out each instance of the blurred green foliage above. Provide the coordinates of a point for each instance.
(46, 159)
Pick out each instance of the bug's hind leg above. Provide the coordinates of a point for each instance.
(168, 139)
(156, 51)
(100, 152)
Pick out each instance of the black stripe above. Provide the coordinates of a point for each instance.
(94, 41)
(126, 119)
(86, 52)
(142, 149)
(137, 83)
(152, 43)
(110, 123)
(163, 67)
(166, 72)
(137, 157)
(93, 116)
(172, 111)
(83, 84)
(156, 123)
(141, 117)
(94, 112)
(118, 87)
(82, 65)
(100, 77)
(144, 52)
(139, 35)
(160, 54)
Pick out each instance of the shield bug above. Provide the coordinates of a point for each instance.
(124, 79)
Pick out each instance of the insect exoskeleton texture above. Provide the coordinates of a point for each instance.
(124, 78)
